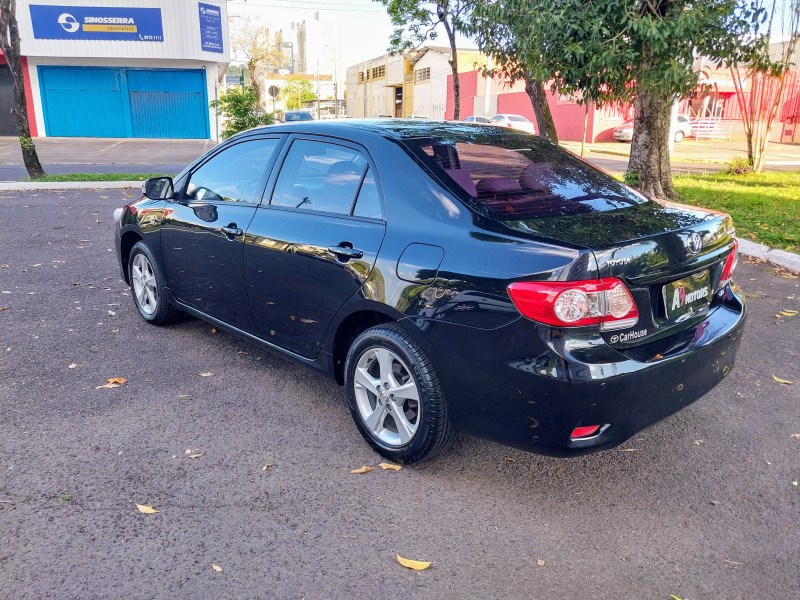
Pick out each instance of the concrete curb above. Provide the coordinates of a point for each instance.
(30, 186)
(780, 258)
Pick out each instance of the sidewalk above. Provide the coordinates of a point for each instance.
(702, 151)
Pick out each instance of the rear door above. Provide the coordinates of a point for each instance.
(203, 231)
(313, 242)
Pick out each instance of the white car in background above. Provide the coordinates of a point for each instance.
(477, 119)
(683, 128)
(513, 122)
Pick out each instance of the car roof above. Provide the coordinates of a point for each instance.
(356, 129)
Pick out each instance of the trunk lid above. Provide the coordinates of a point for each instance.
(670, 258)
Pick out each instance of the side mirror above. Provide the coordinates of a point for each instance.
(158, 188)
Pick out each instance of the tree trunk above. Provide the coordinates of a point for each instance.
(451, 35)
(544, 118)
(649, 161)
(9, 43)
(252, 68)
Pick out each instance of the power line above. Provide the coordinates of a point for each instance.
(316, 5)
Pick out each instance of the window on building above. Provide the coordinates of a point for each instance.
(361, 77)
(422, 74)
(378, 72)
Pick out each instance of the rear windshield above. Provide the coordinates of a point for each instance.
(517, 118)
(518, 177)
(298, 116)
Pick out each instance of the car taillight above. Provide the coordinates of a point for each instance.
(604, 302)
(730, 265)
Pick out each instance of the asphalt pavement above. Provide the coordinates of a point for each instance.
(703, 505)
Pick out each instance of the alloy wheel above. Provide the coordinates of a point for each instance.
(387, 397)
(145, 288)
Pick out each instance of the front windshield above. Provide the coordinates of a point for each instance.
(518, 177)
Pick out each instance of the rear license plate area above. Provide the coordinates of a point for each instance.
(687, 297)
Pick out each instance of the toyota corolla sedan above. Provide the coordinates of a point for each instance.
(451, 278)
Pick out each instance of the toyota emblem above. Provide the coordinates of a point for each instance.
(694, 243)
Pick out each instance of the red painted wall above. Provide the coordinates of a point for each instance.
(469, 89)
(567, 117)
(28, 93)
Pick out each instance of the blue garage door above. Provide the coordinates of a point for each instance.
(118, 102)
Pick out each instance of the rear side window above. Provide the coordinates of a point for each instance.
(519, 177)
(325, 177)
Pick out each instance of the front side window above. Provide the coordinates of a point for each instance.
(233, 175)
(320, 176)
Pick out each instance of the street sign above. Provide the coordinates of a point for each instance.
(272, 90)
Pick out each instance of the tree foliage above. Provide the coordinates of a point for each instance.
(241, 110)
(9, 44)
(296, 93)
(416, 21)
(261, 52)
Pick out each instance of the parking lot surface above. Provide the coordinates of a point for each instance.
(247, 458)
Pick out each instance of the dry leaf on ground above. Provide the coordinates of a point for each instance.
(362, 470)
(195, 455)
(213, 331)
(796, 436)
(788, 313)
(781, 381)
(540, 562)
(217, 568)
(266, 466)
(146, 509)
(390, 467)
(206, 374)
(117, 380)
(72, 366)
(416, 565)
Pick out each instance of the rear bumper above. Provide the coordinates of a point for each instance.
(528, 386)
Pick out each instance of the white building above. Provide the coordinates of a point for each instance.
(401, 85)
(124, 68)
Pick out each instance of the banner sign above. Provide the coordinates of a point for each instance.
(210, 28)
(96, 23)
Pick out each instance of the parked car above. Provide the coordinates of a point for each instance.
(297, 115)
(512, 122)
(452, 279)
(476, 119)
(683, 128)
(415, 116)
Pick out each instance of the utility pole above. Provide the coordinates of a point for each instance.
(318, 90)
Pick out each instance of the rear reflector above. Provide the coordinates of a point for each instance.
(604, 302)
(582, 432)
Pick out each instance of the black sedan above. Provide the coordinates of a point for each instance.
(452, 277)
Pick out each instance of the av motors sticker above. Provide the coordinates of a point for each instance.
(51, 22)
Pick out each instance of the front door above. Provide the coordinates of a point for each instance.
(313, 246)
(203, 230)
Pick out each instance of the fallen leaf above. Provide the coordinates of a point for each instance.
(206, 374)
(674, 597)
(796, 436)
(697, 442)
(117, 380)
(111, 313)
(144, 508)
(213, 331)
(36, 265)
(362, 470)
(72, 366)
(733, 562)
(782, 381)
(266, 466)
(628, 450)
(4, 308)
(108, 386)
(788, 313)
(416, 565)
(794, 483)
(510, 459)
(217, 568)
(195, 454)
(540, 562)
(390, 467)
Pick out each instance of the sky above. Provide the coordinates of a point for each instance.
(364, 24)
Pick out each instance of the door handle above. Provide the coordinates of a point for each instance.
(232, 231)
(345, 251)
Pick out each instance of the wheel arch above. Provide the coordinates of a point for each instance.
(348, 330)
(127, 242)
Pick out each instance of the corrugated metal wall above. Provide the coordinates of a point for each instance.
(120, 102)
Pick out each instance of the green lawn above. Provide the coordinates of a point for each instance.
(98, 177)
(765, 206)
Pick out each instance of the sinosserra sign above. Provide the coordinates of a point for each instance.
(210, 28)
(96, 23)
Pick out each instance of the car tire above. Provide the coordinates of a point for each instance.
(679, 135)
(148, 287)
(395, 397)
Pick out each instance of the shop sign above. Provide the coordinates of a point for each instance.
(96, 23)
(210, 28)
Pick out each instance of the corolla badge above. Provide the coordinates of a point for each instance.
(694, 243)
